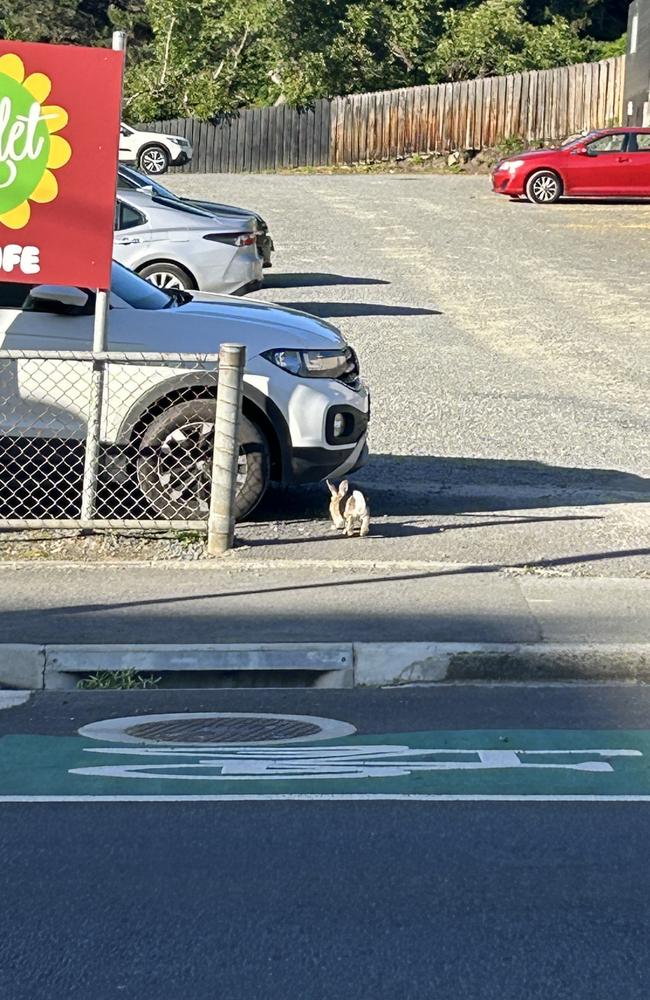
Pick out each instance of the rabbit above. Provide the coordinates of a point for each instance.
(352, 514)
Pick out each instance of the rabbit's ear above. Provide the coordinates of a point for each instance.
(332, 488)
(343, 488)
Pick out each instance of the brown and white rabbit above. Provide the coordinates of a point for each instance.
(351, 514)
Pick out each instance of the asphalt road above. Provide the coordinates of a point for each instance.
(371, 603)
(380, 900)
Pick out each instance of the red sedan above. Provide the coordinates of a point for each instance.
(608, 163)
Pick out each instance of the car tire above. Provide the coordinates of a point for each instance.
(544, 187)
(167, 276)
(154, 159)
(174, 463)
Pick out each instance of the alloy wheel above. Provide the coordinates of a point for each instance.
(165, 280)
(184, 465)
(154, 161)
(545, 188)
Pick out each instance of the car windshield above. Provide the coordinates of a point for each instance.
(575, 139)
(180, 206)
(128, 177)
(136, 291)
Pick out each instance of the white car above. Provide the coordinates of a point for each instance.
(153, 152)
(305, 408)
(176, 246)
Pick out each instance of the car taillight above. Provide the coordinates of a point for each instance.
(233, 239)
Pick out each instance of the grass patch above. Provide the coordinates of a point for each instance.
(118, 680)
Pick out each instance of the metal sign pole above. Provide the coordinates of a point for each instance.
(100, 337)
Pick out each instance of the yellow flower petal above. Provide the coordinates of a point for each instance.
(12, 65)
(60, 152)
(47, 189)
(56, 118)
(39, 85)
(18, 217)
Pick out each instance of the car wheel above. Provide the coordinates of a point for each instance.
(174, 464)
(154, 160)
(167, 276)
(543, 187)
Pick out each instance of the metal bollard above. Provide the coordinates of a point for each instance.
(221, 520)
(93, 432)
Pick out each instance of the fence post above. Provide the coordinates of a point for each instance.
(93, 431)
(100, 330)
(221, 520)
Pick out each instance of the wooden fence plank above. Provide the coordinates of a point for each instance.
(287, 123)
(390, 124)
(508, 107)
(571, 100)
(295, 137)
(325, 132)
(371, 137)
(517, 98)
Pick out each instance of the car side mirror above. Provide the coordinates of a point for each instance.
(581, 151)
(62, 295)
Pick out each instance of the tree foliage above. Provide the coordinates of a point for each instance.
(496, 38)
(210, 57)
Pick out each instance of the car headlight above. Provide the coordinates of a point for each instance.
(512, 165)
(314, 364)
(177, 139)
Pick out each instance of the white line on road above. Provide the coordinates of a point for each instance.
(312, 797)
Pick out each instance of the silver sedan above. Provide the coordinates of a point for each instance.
(179, 247)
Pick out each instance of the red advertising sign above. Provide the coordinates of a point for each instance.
(59, 135)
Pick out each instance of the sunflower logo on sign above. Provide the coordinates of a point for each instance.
(30, 149)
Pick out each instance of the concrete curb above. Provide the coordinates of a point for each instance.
(377, 664)
(338, 665)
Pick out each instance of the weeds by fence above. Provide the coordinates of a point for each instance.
(362, 128)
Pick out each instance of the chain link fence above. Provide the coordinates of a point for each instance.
(150, 465)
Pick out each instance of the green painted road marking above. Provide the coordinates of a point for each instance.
(481, 764)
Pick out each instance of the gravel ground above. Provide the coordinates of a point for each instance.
(507, 353)
(489, 330)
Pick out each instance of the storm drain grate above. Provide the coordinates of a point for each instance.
(224, 730)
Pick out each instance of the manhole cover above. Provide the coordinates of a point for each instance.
(245, 729)
(217, 729)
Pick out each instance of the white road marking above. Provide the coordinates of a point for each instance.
(249, 763)
(313, 797)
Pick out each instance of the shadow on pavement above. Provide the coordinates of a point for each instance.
(311, 279)
(327, 310)
(344, 607)
(409, 485)
(380, 530)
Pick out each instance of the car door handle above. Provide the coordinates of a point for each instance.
(623, 159)
(126, 241)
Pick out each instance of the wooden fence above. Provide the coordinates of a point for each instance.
(364, 128)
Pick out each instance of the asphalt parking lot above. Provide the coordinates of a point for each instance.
(505, 344)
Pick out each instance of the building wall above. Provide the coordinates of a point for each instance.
(636, 109)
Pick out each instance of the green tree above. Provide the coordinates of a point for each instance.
(81, 22)
(495, 38)
(205, 57)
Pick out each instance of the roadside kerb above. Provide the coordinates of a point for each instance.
(333, 665)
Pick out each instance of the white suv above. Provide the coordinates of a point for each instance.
(305, 409)
(153, 152)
